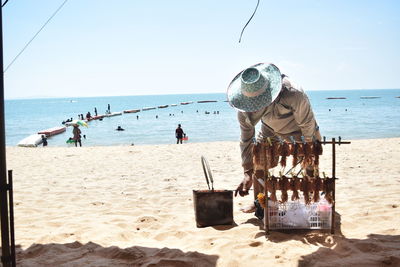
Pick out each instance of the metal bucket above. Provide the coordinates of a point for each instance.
(212, 207)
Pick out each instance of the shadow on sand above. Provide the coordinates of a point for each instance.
(336, 249)
(91, 254)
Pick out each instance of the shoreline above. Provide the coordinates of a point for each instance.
(190, 143)
(134, 204)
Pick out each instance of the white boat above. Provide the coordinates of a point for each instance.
(31, 141)
(113, 114)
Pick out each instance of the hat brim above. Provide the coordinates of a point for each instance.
(250, 104)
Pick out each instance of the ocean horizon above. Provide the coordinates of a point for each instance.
(350, 114)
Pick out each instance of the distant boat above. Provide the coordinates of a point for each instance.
(369, 97)
(53, 131)
(132, 111)
(113, 114)
(163, 106)
(206, 101)
(186, 103)
(96, 117)
(336, 98)
(31, 141)
(148, 108)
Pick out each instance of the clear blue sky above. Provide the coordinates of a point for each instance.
(125, 47)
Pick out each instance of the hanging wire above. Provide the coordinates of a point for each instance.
(4, 3)
(258, 2)
(30, 41)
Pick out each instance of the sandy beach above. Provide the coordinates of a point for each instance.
(133, 206)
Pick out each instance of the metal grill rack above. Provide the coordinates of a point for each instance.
(298, 215)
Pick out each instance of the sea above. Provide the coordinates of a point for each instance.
(351, 117)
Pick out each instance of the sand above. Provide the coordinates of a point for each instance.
(133, 206)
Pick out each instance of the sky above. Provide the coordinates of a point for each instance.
(125, 47)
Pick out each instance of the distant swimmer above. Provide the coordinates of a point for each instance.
(119, 128)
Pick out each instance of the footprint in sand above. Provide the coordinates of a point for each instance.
(146, 219)
(255, 244)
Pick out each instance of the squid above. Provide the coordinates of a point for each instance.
(284, 184)
(328, 189)
(295, 150)
(285, 152)
(259, 156)
(296, 186)
(317, 187)
(273, 188)
(308, 155)
(306, 186)
(275, 148)
(317, 150)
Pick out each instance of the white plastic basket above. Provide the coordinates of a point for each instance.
(297, 215)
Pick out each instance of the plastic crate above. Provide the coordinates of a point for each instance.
(297, 215)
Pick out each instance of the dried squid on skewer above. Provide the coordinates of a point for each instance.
(296, 182)
(300, 149)
(284, 153)
(273, 188)
(275, 148)
(295, 150)
(284, 184)
(317, 152)
(259, 156)
(317, 188)
(328, 189)
(306, 186)
(308, 160)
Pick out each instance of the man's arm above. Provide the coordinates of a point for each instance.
(247, 132)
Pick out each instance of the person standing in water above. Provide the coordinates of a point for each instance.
(179, 134)
(77, 135)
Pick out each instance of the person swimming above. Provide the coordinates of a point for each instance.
(119, 128)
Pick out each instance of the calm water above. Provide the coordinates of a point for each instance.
(350, 118)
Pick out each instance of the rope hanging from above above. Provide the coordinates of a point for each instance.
(258, 2)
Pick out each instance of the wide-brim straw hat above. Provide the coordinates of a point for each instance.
(255, 87)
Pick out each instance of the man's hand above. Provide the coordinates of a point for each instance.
(245, 185)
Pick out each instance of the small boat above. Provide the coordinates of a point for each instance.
(148, 108)
(113, 114)
(96, 117)
(31, 141)
(369, 97)
(186, 103)
(206, 101)
(173, 105)
(163, 106)
(336, 98)
(53, 131)
(131, 110)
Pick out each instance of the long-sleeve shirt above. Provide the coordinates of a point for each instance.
(290, 114)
